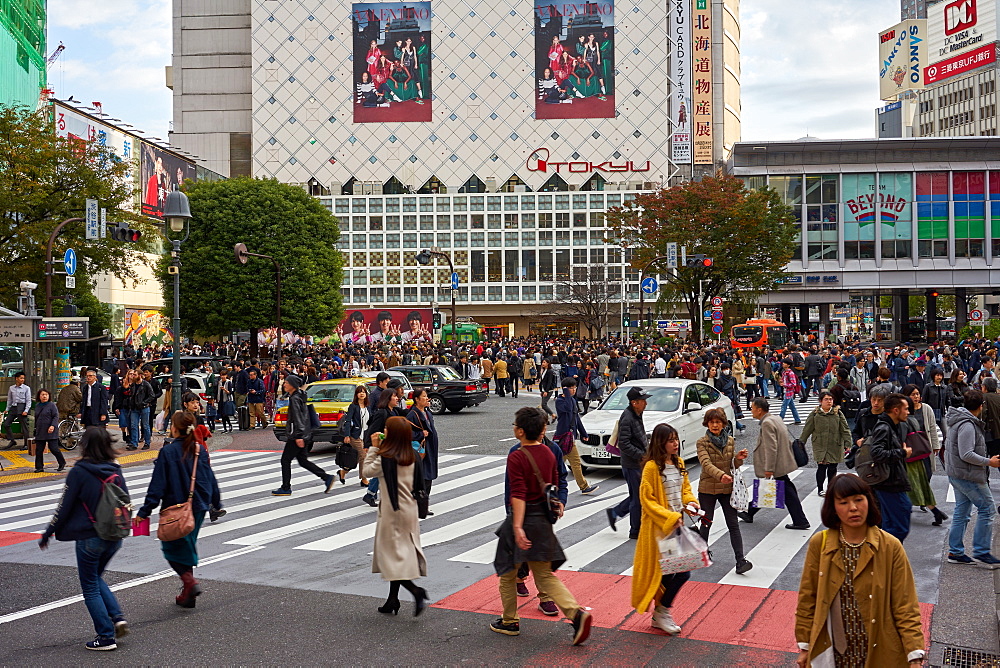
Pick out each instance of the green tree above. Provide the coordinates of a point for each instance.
(748, 233)
(219, 296)
(88, 305)
(45, 179)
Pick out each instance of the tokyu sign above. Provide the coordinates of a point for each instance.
(539, 161)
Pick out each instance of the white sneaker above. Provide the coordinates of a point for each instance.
(663, 620)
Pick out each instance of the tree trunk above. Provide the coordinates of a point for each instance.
(253, 343)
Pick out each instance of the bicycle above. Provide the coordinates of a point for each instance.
(70, 432)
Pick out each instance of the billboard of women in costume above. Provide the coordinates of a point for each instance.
(160, 172)
(575, 60)
(392, 61)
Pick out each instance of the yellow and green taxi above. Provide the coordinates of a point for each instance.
(330, 399)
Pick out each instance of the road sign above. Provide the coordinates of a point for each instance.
(717, 329)
(66, 329)
(650, 285)
(69, 261)
(717, 302)
(70, 282)
(975, 314)
(708, 313)
(14, 329)
(92, 212)
(662, 324)
(671, 255)
(717, 315)
(454, 280)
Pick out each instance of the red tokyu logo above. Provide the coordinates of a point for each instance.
(959, 15)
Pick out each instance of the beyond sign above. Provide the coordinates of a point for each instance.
(539, 161)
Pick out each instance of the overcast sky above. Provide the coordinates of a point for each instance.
(808, 67)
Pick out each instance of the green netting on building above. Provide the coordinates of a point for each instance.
(22, 51)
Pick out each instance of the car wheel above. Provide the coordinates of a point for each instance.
(436, 405)
(456, 409)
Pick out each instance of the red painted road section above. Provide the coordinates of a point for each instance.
(747, 617)
(15, 537)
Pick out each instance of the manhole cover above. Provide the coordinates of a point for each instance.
(967, 658)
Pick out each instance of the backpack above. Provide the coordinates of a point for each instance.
(113, 519)
(868, 469)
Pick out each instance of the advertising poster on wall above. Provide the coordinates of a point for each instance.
(902, 52)
(392, 62)
(680, 75)
(701, 51)
(161, 171)
(146, 328)
(575, 60)
(391, 325)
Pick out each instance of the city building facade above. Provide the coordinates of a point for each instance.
(22, 52)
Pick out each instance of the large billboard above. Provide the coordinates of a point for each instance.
(161, 171)
(575, 60)
(960, 26)
(902, 55)
(392, 62)
(701, 51)
(146, 328)
(680, 80)
(388, 325)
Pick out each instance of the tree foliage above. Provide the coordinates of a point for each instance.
(748, 233)
(88, 305)
(586, 297)
(219, 296)
(45, 179)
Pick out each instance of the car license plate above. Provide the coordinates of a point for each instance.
(600, 453)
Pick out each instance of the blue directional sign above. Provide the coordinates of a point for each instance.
(454, 280)
(69, 261)
(708, 313)
(650, 285)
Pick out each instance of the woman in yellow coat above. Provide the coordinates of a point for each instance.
(857, 600)
(664, 492)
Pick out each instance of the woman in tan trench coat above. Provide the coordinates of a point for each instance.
(397, 554)
(857, 600)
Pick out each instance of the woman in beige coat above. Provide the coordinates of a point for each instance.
(397, 554)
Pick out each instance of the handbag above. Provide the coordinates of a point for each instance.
(347, 456)
(740, 498)
(683, 550)
(799, 451)
(551, 492)
(565, 442)
(177, 521)
(920, 444)
(612, 445)
(768, 493)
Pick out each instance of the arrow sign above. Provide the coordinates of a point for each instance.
(717, 302)
(650, 285)
(975, 314)
(708, 314)
(69, 261)
(454, 280)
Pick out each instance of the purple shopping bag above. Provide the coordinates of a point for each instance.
(768, 493)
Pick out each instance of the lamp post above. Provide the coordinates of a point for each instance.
(642, 271)
(243, 256)
(177, 215)
(48, 262)
(424, 258)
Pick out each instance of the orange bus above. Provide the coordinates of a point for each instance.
(759, 333)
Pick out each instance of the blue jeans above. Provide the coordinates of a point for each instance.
(967, 494)
(762, 386)
(895, 507)
(146, 425)
(92, 557)
(129, 420)
(789, 402)
(630, 505)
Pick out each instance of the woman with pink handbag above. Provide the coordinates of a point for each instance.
(184, 487)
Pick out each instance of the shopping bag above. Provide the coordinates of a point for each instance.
(683, 550)
(740, 498)
(612, 444)
(161, 418)
(769, 493)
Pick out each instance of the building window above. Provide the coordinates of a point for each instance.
(495, 293)
(528, 293)
(969, 194)
(545, 271)
(513, 268)
(545, 202)
(409, 240)
(545, 220)
(493, 221)
(375, 241)
(545, 238)
(478, 239)
(426, 240)
(359, 296)
(562, 265)
(478, 293)
(494, 239)
(528, 264)
(821, 216)
(392, 295)
(528, 238)
(410, 295)
(562, 238)
(789, 188)
(377, 295)
(478, 265)
(545, 293)
(493, 203)
(932, 214)
(461, 240)
(427, 294)
(562, 220)
(527, 202)
(494, 266)
(444, 240)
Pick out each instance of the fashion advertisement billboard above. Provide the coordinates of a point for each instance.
(161, 171)
(372, 325)
(392, 62)
(575, 59)
(902, 55)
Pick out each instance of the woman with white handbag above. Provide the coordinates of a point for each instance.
(720, 467)
(665, 494)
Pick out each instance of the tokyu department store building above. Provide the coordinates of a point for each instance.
(499, 134)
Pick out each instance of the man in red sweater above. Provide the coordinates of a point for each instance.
(526, 536)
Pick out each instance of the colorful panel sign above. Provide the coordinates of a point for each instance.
(393, 324)
(146, 328)
(161, 171)
(902, 53)
(392, 62)
(701, 50)
(959, 27)
(960, 64)
(680, 75)
(575, 56)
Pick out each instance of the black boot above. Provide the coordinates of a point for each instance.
(939, 517)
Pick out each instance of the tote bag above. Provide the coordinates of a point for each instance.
(769, 493)
(740, 498)
(683, 550)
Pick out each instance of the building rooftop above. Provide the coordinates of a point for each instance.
(910, 150)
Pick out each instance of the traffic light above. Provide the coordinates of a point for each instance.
(123, 232)
(437, 321)
(700, 260)
(935, 293)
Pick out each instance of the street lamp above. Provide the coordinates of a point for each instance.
(243, 256)
(424, 258)
(177, 215)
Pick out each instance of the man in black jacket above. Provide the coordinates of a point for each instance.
(94, 404)
(298, 431)
(632, 442)
(887, 447)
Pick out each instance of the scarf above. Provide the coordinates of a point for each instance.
(389, 472)
(718, 441)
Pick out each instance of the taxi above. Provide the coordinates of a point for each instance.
(330, 399)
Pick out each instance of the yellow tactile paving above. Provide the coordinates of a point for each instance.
(26, 476)
(18, 461)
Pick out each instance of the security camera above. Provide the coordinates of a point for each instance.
(173, 269)
(28, 285)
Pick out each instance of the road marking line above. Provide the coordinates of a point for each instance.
(463, 447)
(153, 577)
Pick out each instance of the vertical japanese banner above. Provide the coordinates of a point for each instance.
(680, 76)
(701, 51)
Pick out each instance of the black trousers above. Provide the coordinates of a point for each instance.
(54, 448)
(707, 503)
(792, 503)
(512, 384)
(8, 421)
(671, 585)
(293, 451)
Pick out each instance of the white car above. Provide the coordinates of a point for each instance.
(663, 405)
